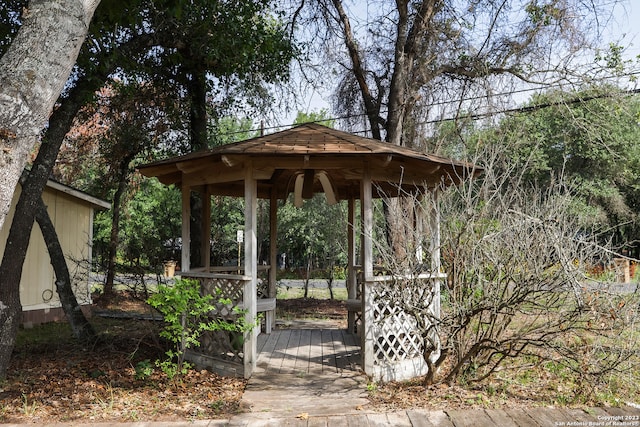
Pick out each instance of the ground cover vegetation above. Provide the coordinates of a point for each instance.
(519, 295)
(54, 378)
(521, 314)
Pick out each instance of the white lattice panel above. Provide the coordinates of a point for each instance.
(393, 341)
(395, 331)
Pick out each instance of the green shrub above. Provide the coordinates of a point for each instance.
(187, 315)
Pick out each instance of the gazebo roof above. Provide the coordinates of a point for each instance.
(316, 151)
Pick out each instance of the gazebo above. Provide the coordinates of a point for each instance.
(304, 160)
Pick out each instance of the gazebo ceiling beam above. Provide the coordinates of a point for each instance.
(341, 190)
(219, 175)
(192, 166)
(231, 160)
(229, 169)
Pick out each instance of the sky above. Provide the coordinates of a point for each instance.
(627, 25)
(623, 28)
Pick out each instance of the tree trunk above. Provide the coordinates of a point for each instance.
(198, 111)
(307, 277)
(10, 319)
(33, 72)
(371, 104)
(10, 275)
(116, 206)
(81, 328)
(199, 140)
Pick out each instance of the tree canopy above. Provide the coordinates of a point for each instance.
(587, 138)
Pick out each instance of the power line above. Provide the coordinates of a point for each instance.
(530, 108)
(472, 116)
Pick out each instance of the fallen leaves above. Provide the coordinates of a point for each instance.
(59, 381)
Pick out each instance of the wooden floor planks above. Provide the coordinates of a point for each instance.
(316, 351)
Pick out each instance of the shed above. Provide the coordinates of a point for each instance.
(71, 212)
(304, 160)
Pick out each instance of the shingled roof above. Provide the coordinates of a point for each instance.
(276, 159)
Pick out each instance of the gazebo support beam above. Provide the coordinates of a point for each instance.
(185, 264)
(205, 248)
(352, 279)
(367, 225)
(434, 225)
(273, 246)
(250, 270)
(366, 206)
(419, 211)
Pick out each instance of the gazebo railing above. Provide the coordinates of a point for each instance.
(220, 351)
(354, 305)
(263, 274)
(265, 303)
(224, 351)
(392, 341)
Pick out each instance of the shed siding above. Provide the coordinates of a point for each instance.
(73, 220)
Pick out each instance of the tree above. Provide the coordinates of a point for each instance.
(588, 138)
(402, 64)
(205, 70)
(134, 124)
(518, 280)
(101, 57)
(211, 63)
(33, 71)
(30, 204)
(321, 117)
(137, 31)
(80, 326)
(313, 235)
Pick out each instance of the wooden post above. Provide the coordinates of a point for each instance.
(367, 225)
(273, 246)
(418, 213)
(368, 340)
(205, 247)
(185, 263)
(352, 279)
(250, 269)
(434, 225)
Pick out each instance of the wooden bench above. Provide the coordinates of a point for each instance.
(354, 309)
(267, 306)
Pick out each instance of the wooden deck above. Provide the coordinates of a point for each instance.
(308, 351)
(306, 371)
(312, 377)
